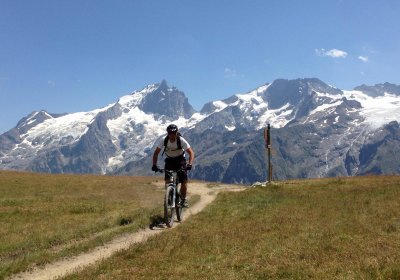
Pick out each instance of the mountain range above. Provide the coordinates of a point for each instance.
(317, 130)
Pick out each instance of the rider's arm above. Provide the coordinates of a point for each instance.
(155, 155)
(191, 155)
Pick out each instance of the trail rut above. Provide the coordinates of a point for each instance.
(76, 263)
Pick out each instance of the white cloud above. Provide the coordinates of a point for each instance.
(230, 73)
(363, 58)
(335, 53)
(319, 52)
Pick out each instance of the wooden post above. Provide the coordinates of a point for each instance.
(267, 137)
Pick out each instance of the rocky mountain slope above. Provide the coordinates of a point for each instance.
(317, 131)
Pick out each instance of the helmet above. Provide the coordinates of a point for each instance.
(172, 128)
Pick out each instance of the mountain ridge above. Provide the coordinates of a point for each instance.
(119, 138)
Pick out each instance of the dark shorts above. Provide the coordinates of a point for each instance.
(176, 163)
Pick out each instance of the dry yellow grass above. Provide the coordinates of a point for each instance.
(44, 217)
(341, 228)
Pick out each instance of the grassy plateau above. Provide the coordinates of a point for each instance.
(45, 217)
(342, 228)
(336, 228)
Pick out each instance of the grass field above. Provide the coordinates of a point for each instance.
(339, 228)
(342, 228)
(45, 217)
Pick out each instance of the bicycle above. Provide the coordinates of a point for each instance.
(172, 199)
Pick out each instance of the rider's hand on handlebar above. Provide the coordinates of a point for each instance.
(189, 167)
(155, 168)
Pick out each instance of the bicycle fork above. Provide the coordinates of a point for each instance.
(172, 198)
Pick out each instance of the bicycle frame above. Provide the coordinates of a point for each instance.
(172, 200)
(173, 182)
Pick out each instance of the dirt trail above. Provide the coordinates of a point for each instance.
(67, 266)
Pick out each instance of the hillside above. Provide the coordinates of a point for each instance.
(344, 228)
(319, 229)
(45, 217)
(55, 224)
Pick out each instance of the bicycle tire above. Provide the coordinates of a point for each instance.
(168, 209)
(179, 207)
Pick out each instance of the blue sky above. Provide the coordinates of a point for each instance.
(71, 56)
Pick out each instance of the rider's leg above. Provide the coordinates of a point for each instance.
(183, 194)
(183, 178)
(183, 189)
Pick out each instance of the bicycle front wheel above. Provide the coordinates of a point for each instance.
(179, 207)
(169, 206)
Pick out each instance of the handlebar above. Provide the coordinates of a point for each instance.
(162, 170)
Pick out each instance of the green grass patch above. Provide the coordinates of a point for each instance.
(341, 228)
(45, 217)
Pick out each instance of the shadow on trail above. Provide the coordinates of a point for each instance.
(157, 222)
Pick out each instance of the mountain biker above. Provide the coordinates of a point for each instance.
(175, 146)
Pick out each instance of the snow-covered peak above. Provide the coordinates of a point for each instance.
(34, 115)
(126, 131)
(378, 110)
(65, 129)
(254, 96)
(251, 97)
(144, 117)
(219, 105)
(137, 97)
(34, 118)
(249, 110)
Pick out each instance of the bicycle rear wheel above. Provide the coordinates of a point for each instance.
(168, 206)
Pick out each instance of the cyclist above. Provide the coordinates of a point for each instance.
(175, 146)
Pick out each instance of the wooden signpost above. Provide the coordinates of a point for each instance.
(267, 138)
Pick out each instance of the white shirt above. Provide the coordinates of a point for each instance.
(172, 147)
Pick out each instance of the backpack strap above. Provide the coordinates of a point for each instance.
(165, 145)
(178, 142)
